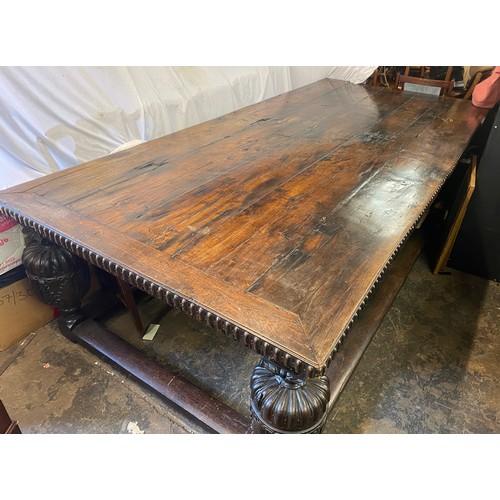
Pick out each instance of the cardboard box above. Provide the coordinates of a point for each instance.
(12, 243)
(21, 312)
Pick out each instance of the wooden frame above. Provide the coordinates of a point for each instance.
(456, 215)
(445, 86)
(426, 69)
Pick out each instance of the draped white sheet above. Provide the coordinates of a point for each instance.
(52, 118)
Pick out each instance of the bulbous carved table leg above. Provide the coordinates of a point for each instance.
(59, 278)
(284, 402)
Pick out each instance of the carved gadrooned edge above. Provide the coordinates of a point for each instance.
(172, 298)
(204, 316)
(386, 266)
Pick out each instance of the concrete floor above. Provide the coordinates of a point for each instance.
(433, 367)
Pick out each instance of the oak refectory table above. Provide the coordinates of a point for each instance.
(281, 225)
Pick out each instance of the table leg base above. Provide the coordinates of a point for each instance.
(284, 402)
(59, 279)
(281, 401)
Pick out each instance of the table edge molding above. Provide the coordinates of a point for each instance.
(204, 315)
(174, 299)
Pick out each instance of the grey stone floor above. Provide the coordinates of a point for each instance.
(433, 367)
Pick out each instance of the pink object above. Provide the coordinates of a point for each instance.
(11, 244)
(6, 223)
(487, 93)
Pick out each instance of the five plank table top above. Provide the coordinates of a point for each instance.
(271, 224)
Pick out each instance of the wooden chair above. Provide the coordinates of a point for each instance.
(374, 78)
(421, 70)
(424, 85)
(426, 71)
(382, 76)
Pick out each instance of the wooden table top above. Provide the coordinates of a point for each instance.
(271, 223)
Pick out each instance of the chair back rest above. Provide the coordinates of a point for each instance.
(424, 85)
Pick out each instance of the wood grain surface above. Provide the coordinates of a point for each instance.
(279, 217)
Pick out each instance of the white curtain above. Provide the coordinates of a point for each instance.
(52, 118)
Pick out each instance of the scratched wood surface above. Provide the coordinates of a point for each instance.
(279, 217)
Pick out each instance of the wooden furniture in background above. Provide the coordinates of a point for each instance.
(421, 70)
(456, 213)
(442, 87)
(425, 72)
(271, 225)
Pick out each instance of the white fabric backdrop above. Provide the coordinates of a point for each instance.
(52, 118)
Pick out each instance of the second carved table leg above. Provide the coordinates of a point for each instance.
(285, 402)
(59, 278)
